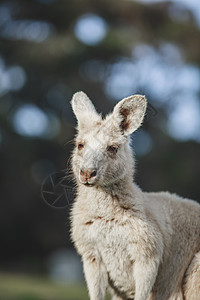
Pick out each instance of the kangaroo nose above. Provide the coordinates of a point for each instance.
(88, 173)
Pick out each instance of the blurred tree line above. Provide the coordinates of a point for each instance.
(44, 59)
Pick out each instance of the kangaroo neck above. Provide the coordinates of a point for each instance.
(123, 194)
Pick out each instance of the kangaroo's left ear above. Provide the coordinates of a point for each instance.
(129, 113)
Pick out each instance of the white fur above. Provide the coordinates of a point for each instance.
(139, 245)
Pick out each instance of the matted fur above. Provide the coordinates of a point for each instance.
(139, 245)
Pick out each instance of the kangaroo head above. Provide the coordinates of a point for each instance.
(102, 155)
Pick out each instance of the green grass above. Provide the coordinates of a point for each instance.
(26, 287)
(22, 287)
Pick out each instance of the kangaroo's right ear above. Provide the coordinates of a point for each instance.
(84, 109)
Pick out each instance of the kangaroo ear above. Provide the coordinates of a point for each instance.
(84, 109)
(129, 113)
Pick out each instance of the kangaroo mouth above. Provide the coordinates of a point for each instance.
(87, 181)
(89, 184)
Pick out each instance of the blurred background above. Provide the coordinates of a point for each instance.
(50, 49)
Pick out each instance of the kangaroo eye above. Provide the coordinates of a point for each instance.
(80, 146)
(112, 149)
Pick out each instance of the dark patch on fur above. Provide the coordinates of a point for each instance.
(111, 220)
(98, 123)
(89, 223)
(125, 123)
(125, 207)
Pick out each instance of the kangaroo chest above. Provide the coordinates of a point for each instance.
(110, 242)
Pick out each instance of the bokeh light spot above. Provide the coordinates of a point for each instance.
(90, 29)
(30, 121)
(184, 119)
(36, 31)
(17, 77)
(12, 79)
(64, 266)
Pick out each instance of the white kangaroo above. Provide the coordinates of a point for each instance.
(139, 245)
